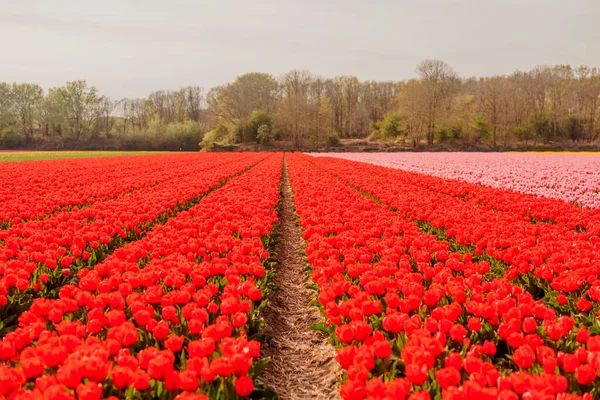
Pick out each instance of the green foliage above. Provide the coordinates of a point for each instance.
(75, 105)
(155, 128)
(26, 97)
(16, 156)
(264, 135)
(574, 128)
(175, 136)
(448, 133)
(333, 140)
(181, 135)
(391, 126)
(11, 137)
(236, 102)
(131, 142)
(524, 131)
(323, 122)
(6, 103)
(481, 127)
(542, 127)
(257, 119)
(52, 110)
(543, 105)
(219, 134)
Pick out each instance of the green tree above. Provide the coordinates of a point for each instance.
(333, 140)
(26, 99)
(219, 134)
(264, 135)
(79, 103)
(6, 106)
(448, 133)
(257, 119)
(481, 128)
(53, 118)
(413, 108)
(391, 126)
(238, 100)
(574, 127)
(524, 131)
(323, 121)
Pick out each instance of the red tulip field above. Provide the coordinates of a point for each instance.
(271, 275)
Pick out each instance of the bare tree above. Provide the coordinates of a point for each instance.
(126, 114)
(158, 99)
(249, 92)
(560, 80)
(294, 108)
(588, 83)
(193, 97)
(548, 103)
(440, 81)
(107, 107)
(413, 108)
(490, 96)
(536, 84)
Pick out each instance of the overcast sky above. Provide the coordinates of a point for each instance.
(130, 48)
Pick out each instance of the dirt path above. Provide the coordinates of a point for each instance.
(302, 361)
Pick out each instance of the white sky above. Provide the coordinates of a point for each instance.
(130, 48)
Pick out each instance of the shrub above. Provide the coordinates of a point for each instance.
(333, 140)
(390, 127)
(447, 133)
(219, 134)
(264, 135)
(258, 118)
(12, 138)
(181, 136)
(481, 128)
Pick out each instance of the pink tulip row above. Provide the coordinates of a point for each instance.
(569, 177)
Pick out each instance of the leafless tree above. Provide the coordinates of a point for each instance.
(440, 82)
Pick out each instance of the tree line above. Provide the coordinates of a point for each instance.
(549, 104)
(77, 113)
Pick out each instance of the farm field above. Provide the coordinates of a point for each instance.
(572, 177)
(8, 155)
(271, 275)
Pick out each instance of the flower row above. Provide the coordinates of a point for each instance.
(549, 259)
(45, 187)
(38, 257)
(172, 314)
(529, 207)
(569, 177)
(411, 317)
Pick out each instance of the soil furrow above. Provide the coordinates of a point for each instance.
(303, 362)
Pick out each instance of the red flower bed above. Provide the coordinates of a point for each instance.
(171, 315)
(412, 317)
(37, 257)
(45, 187)
(554, 261)
(429, 288)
